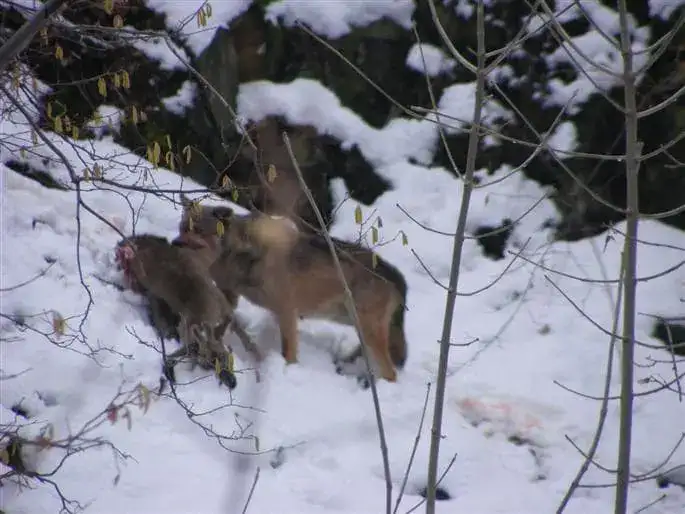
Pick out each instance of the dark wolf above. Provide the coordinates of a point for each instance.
(182, 298)
(272, 263)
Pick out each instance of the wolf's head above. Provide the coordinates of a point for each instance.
(205, 223)
(223, 230)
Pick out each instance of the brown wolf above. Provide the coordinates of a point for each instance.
(176, 281)
(291, 273)
(269, 177)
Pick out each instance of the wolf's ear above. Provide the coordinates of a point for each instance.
(223, 213)
(186, 202)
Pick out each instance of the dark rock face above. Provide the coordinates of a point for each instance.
(254, 49)
(441, 494)
(672, 334)
(493, 240)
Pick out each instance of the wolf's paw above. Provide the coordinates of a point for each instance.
(169, 372)
(441, 494)
(228, 378)
(344, 366)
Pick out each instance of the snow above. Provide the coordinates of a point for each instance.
(664, 8)
(308, 102)
(336, 19)
(564, 138)
(182, 15)
(594, 54)
(183, 98)
(429, 59)
(501, 388)
(157, 49)
(107, 118)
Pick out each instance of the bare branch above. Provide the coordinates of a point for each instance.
(22, 37)
(352, 312)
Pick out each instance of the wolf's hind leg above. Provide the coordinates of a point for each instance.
(249, 345)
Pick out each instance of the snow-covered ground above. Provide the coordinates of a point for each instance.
(502, 389)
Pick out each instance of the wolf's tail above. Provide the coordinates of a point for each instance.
(398, 342)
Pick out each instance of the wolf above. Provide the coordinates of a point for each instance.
(268, 178)
(272, 263)
(175, 279)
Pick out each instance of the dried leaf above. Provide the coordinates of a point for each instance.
(145, 397)
(271, 173)
(118, 21)
(219, 228)
(4, 457)
(168, 141)
(187, 152)
(108, 6)
(58, 124)
(379, 222)
(59, 53)
(112, 414)
(134, 115)
(201, 18)
(125, 79)
(208, 10)
(374, 235)
(374, 261)
(405, 241)
(97, 170)
(86, 174)
(117, 80)
(49, 110)
(74, 132)
(358, 215)
(16, 78)
(234, 194)
(225, 182)
(217, 366)
(59, 325)
(169, 158)
(156, 153)
(230, 362)
(102, 87)
(195, 208)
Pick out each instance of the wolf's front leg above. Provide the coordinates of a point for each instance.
(287, 322)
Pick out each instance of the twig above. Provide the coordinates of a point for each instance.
(633, 151)
(352, 312)
(458, 244)
(603, 409)
(252, 488)
(22, 37)
(28, 281)
(413, 450)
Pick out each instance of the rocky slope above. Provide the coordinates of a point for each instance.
(161, 100)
